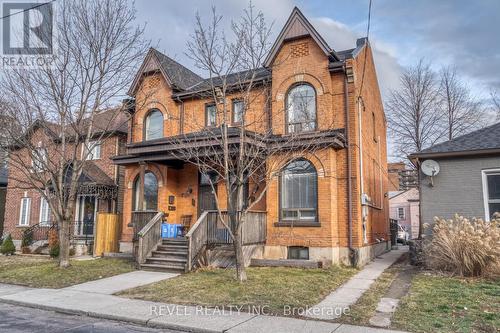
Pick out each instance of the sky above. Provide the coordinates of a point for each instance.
(443, 32)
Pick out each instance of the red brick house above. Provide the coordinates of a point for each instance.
(99, 189)
(343, 212)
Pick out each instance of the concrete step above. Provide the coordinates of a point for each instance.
(163, 268)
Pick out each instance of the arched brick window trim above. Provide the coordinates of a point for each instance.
(287, 108)
(146, 128)
(298, 192)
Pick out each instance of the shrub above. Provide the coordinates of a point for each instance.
(464, 247)
(54, 251)
(72, 251)
(8, 246)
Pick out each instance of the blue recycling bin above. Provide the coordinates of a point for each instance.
(170, 230)
(165, 230)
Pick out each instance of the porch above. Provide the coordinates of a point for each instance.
(190, 251)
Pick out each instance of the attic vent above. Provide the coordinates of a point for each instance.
(299, 50)
(153, 82)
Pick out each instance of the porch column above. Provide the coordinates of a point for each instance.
(140, 202)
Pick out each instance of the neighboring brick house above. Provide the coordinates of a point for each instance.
(100, 185)
(339, 212)
(468, 181)
(405, 208)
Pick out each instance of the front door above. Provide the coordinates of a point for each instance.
(86, 216)
(206, 196)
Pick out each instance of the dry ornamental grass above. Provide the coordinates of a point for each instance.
(465, 247)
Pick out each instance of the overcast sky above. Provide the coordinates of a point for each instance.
(461, 33)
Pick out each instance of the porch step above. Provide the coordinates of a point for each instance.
(163, 268)
(168, 254)
(167, 261)
(175, 241)
(171, 256)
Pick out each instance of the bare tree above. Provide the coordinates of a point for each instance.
(495, 101)
(414, 116)
(58, 107)
(462, 113)
(238, 146)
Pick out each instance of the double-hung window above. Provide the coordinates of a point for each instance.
(210, 115)
(299, 192)
(39, 160)
(24, 214)
(44, 212)
(401, 213)
(491, 192)
(93, 151)
(238, 111)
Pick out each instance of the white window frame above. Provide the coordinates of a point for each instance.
(404, 214)
(486, 201)
(39, 165)
(44, 220)
(93, 147)
(26, 222)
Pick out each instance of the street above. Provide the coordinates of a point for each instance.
(14, 319)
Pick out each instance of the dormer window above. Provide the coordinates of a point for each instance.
(301, 108)
(153, 125)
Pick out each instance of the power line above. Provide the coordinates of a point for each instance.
(366, 53)
(25, 10)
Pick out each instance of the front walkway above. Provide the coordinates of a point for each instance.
(347, 294)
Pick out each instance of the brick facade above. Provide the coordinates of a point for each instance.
(297, 60)
(16, 190)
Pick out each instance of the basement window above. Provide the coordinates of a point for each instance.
(298, 252)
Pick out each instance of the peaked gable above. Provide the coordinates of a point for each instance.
(176, 75)
(295, 27)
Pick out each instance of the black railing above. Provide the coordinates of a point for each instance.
(36, 233)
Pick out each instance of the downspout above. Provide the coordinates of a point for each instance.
(349, 171)
(181, 116)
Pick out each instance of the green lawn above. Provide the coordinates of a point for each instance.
(271, 288)
(44, 273)
(448, 304)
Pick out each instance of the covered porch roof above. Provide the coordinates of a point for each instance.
(172, 150)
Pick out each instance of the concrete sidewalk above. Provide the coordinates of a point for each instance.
(114, 284)
(347, 294)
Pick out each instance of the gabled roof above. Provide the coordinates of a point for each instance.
(177, 76)
(483, 141)
(298, 26)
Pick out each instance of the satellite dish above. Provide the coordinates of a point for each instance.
(430, 168)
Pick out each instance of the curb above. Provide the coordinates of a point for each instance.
(93, 314)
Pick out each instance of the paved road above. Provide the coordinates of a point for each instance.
(16, 319)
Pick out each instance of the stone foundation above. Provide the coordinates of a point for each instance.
(329, 255)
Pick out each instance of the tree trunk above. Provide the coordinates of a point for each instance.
(64, 244)
(241, 273)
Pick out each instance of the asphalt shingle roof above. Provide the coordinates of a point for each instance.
(485, 138)
(180, 76)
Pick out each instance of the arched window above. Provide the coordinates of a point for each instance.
(301, 108)
(153, 125)
(299, 192)
(150, 197)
